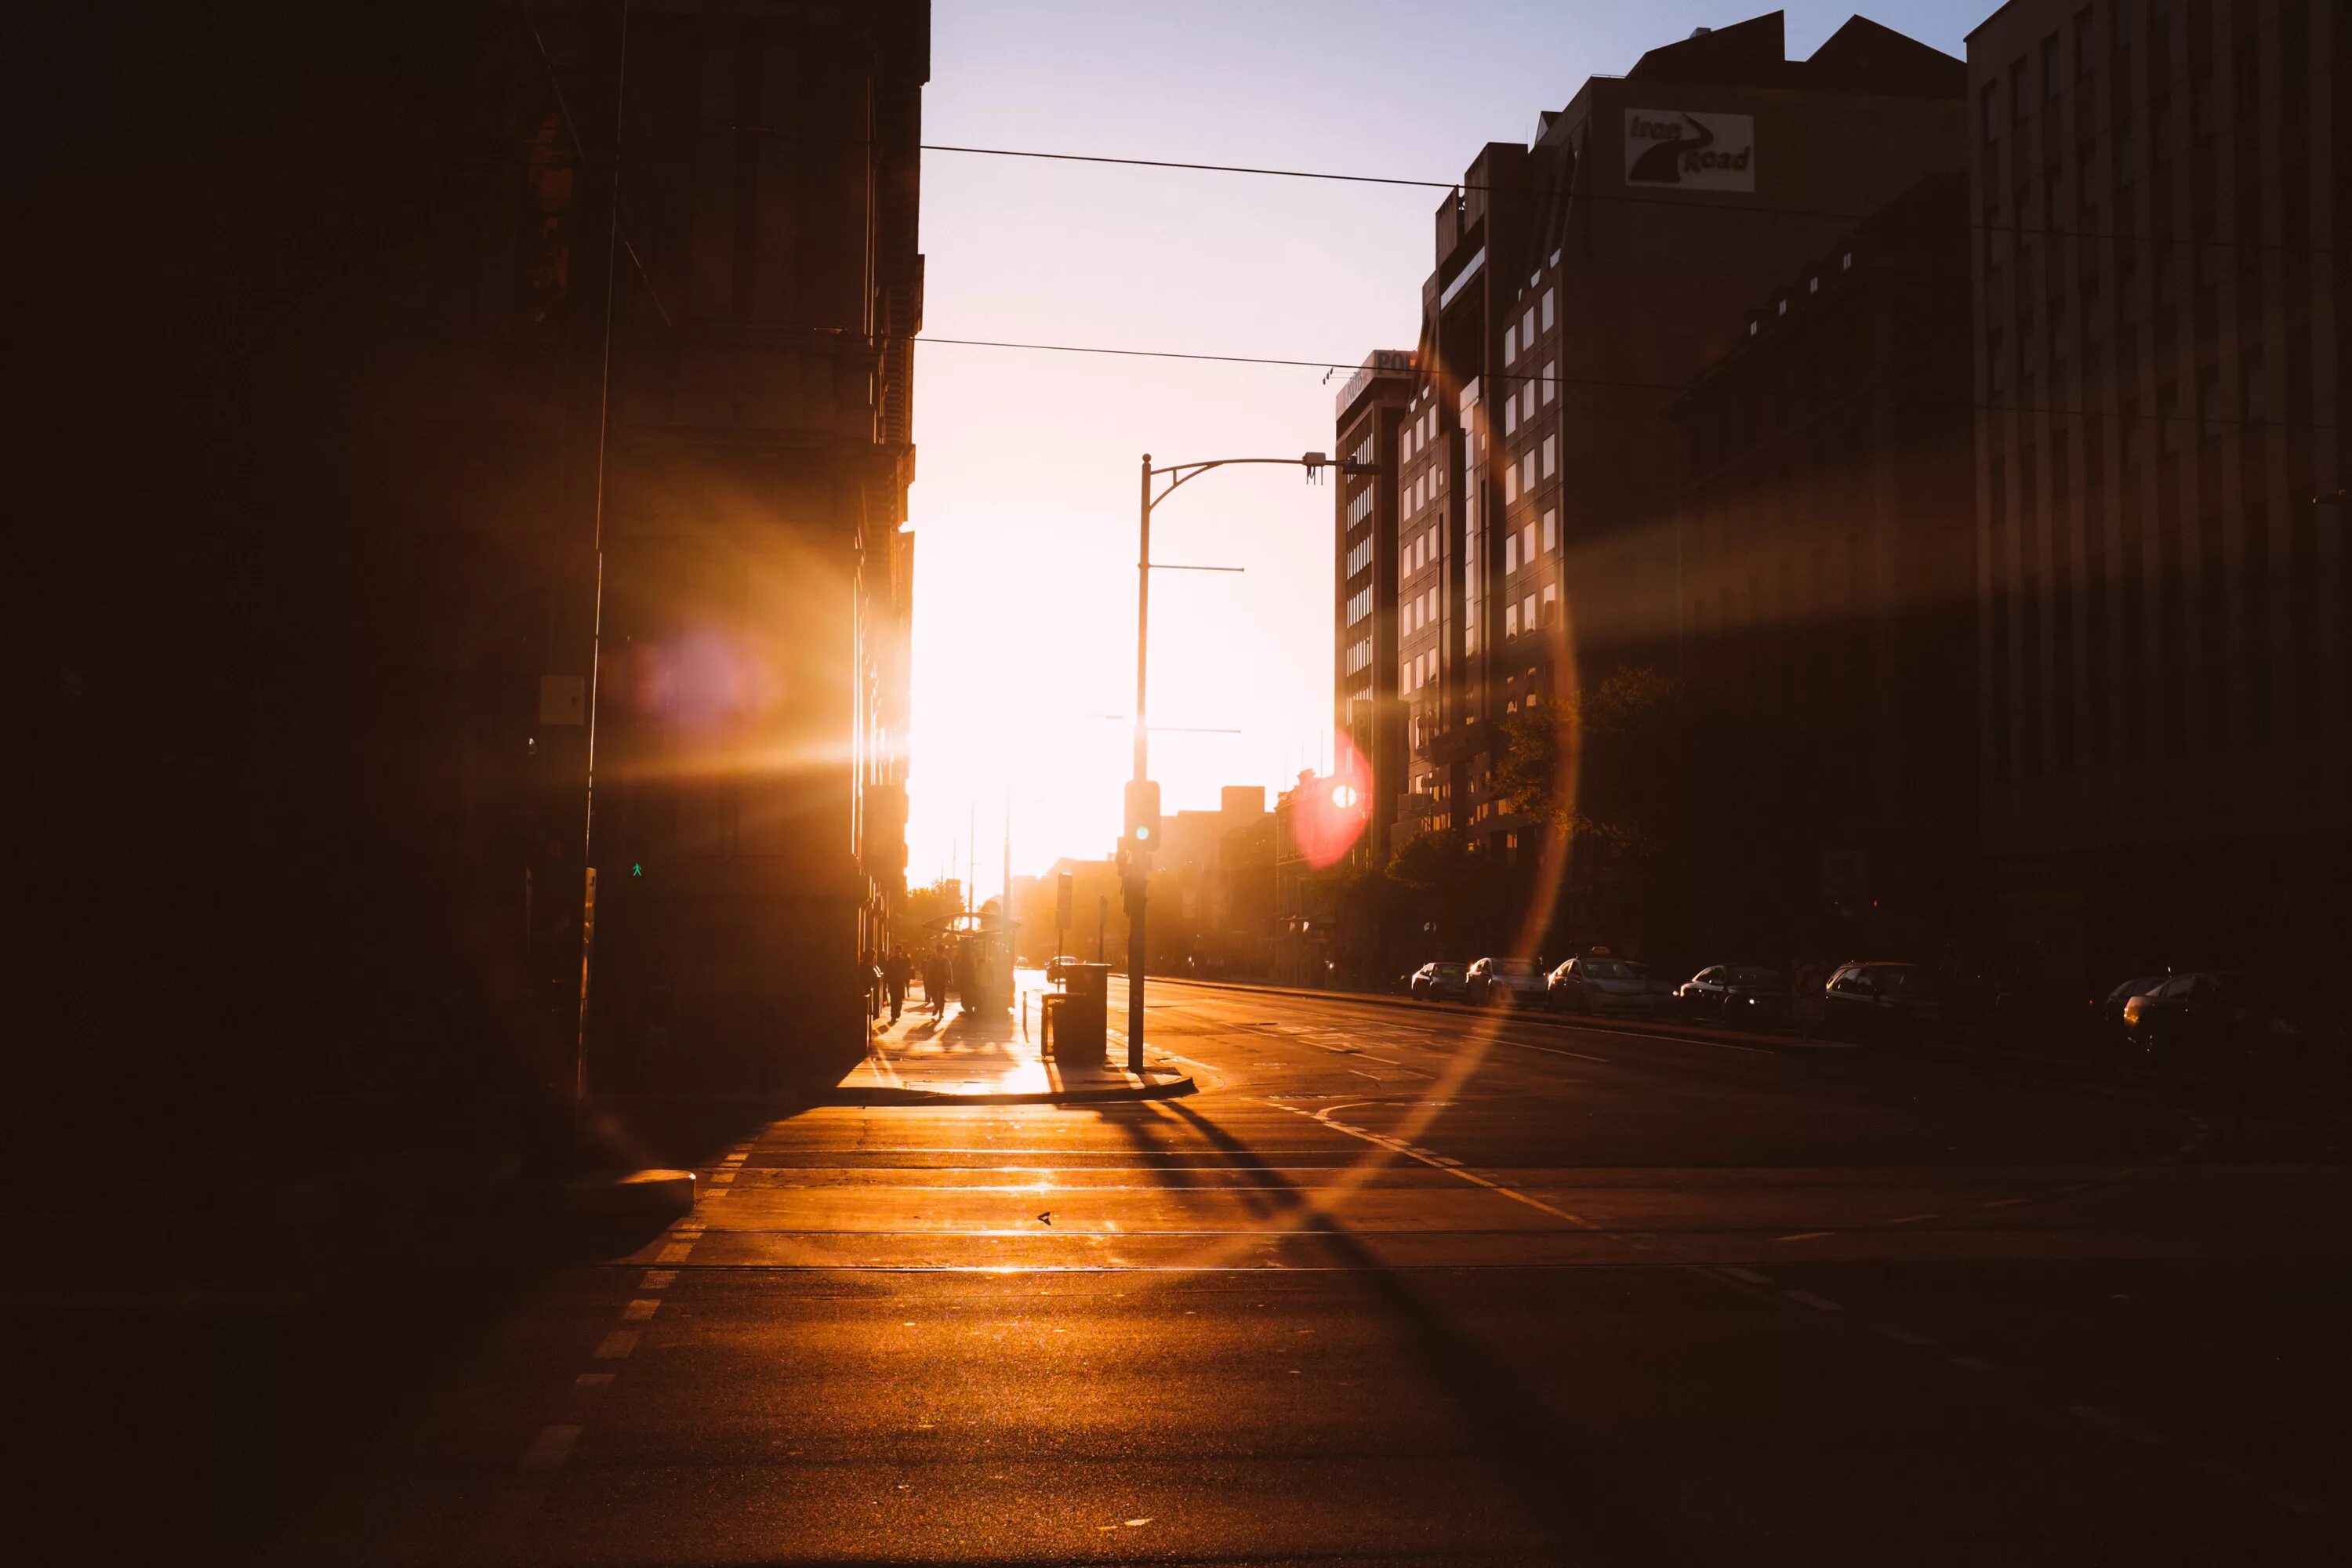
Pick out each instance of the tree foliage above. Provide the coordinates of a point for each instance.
(1623, 760)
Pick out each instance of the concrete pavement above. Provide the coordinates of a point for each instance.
(1433, 1289)
(943, 1051)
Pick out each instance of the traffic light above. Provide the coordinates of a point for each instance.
(1143, 816)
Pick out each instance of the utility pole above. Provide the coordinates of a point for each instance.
(1140, 869)
(1136, 859)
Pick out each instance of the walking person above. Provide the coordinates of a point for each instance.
(896, 972)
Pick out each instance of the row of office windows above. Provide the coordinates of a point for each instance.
(1521, 333)
(1359, 605)
(1534, 464)
(1359, 555)
(1360, 654)
(1360, 505)
(1522, 405)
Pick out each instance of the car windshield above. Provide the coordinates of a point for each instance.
(1755, 977)
(1447, 971)
(1520, 967)
(1611, 969)
(2138, 987)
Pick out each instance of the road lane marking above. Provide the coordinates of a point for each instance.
(1809, 1236)
(1746, 1276)
(659, 1280)
(640, 1310)
(1431, 1161)
(2106, 1421)
(675, 1252)
(1913, 1218)
(592, 1380)
(2002, 1202)
(1818, 1303)
(616, 1345)
(551, 1447)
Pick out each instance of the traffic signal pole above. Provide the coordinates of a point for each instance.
(1137, 856)
(1140, 871)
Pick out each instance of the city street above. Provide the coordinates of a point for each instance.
(1415, 1285)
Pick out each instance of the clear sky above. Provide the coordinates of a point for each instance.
(1024, 503)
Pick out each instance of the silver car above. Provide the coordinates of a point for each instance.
(1615, 985)
(1505, 983)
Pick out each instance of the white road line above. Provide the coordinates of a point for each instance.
(1818, 1303)
(1913, 1218)
(592, 1380)
(659, 1280)
(1431, 1161)
(2130, 1431)
(640, 1310)
(1903, 1336)
(1557, 1051)
(617, 1345)
(2002, 1202)
(551, 1447)
(715, 1194)
(1809, 1236)
(675, 1252)
(722, 1177)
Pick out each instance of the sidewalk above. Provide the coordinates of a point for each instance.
(982, 1061)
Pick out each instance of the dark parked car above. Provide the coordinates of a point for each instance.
(2231, 1020)
(1505, 983)
(2107, 1026)
(1440, 982)
(1753, 994)
(1595, 984)
(1880, 1002)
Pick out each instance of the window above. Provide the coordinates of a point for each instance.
(1511, 483)
(1551, 378)
(1510, 415)
(1551, 530)
(1546, 309)
(1510, 620)
(1551, 451)
(1527, 612)
(1510, 343)
(1527, 544)
(1550, 602)
(1510, 553)
(1528, 473)
(1528, 328)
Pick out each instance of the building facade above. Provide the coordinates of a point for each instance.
(1824, 555)
(1365, 664)
(2160, 276)
(1581, 281)
(753, 677)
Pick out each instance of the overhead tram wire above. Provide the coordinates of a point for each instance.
(1915, 393)
(1572, 193)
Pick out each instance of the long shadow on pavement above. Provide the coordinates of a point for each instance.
(1573, 1490)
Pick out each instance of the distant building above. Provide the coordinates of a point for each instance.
(1578, 283)
(2162, 273)
(1370, 410)
(1824, 555)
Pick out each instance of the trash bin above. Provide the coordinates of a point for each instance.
(1079, 1036)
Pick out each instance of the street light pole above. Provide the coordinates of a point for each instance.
(1138, 880)
(1140, 867)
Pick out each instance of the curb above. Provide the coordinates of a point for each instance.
(1173, 1089)
(1669, 1027)
(638, 1194)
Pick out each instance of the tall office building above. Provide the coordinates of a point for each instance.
(1580, 281)
(1366, 619)
(2160, 278)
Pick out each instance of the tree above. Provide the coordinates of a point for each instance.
(1623, 761)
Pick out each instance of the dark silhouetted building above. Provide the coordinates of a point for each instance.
(1580, 282)
(1370, 415)
(1824, 554)
(2161, 276)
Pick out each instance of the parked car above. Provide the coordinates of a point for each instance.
(2233, 1021)
(1505, 983)
(1882, 1002)
(1754, 996)
(1440, 982)
(2107, 1026)
(1594, 984)
(1057, 966)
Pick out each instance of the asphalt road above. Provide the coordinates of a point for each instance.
(1416, 1287)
